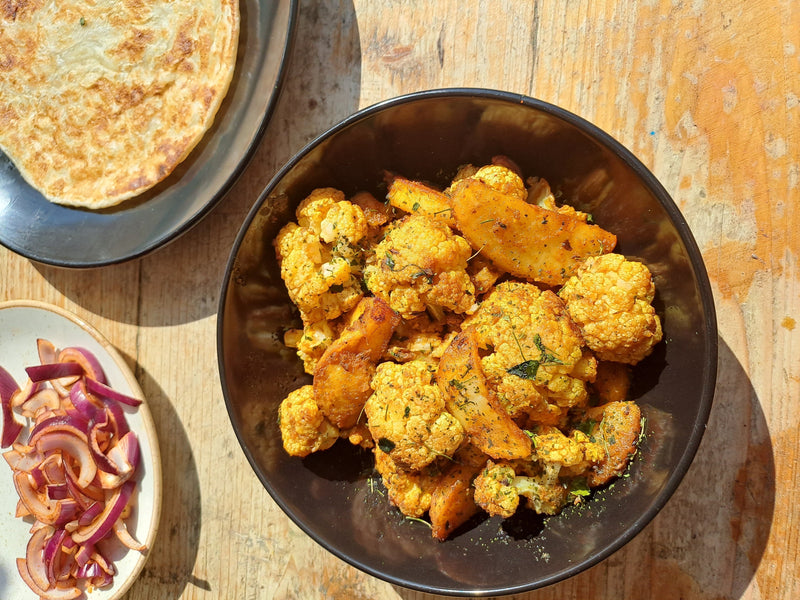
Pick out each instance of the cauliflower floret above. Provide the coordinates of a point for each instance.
(319, 255)
(410, 491)
(421, 263)
(310, 342)
(407, 416)
(304, 429)
(498, 489)
(610, 298)
(536, 361)
(331, 217)
(503, 180)
(573, 454)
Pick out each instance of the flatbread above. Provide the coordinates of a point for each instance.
(102, 99)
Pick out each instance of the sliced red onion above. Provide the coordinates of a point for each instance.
(124, 536)
(34, 556)
(53, 554)
(103, 524)
(22, 461)
(25, 392)
(74, 474)
(44, 398)
(73, 445)
(77, 493)
(116, 416)
(11, 427)
(57, 491)
(52, 468)
(90, 514)
(82, 401)
(83, 554)
(71, 424)
(56, 593)
(66, 511)
(106, 565)
(47, 351)
(105, 391)
(88, 361)
(50, 371)
(30, 498)
(124, 455)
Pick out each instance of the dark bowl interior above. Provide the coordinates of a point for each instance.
(334, 496)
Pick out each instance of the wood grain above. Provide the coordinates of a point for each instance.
(706, 93)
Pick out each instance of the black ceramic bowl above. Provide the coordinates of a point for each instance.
(334, 496)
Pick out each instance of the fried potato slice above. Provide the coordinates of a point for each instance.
(467, 397)
(417, 198)
(616, 426)
(343, 373)
(524, 239)
(452, 502)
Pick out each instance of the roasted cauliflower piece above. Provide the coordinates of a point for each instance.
(319, 255)
(310, 342)
(409, 491)
(304, 429)
(610, 299)
(535, 358)
(421, 264)
(407, 416)
(502, 179)
(498, 489)
(540, 194)
(573, 454)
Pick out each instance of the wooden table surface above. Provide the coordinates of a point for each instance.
(705, 92)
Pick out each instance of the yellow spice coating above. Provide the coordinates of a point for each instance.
(304, 429)
(610, 299)
(319, 255)
(502, 179)
(523, 325)
(407, 416)
(576, 451)
(420, 263)
(409, 491)
(494, 490)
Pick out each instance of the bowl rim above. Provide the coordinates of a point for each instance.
(604, 139)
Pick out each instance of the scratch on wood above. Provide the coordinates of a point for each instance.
(397, 53)
(534, 46)
(440, 47)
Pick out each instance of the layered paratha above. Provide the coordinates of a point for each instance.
(102, 99)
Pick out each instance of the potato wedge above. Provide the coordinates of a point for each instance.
(463, 385)
(417, 198)
(452, 502)
(524, 239)
(342, 375)
(616, 426)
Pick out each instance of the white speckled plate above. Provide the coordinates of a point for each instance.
(21, 323)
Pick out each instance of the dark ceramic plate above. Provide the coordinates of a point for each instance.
(334, 496)
(71, 237)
